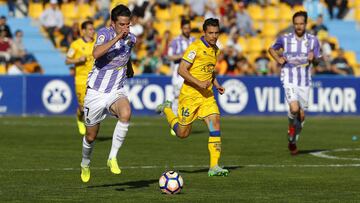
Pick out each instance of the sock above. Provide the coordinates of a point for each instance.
(171, 119)
(292, 118)
(214, 146)
(86, 152)
(118, 138)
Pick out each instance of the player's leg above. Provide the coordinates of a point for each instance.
(303, 102)
(87, 148)
(80, 93)
(120, 108)
(214, 145)
(93, 115)
(177, 82)
(187, 113)
(293, 123)
(291, 96)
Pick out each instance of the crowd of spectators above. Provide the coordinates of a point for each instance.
(150, 53)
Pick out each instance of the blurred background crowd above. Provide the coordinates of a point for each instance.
(248, 29)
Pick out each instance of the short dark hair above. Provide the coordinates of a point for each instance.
(120, 10)
(185, 21)
(86, 23)
(300, 13)
(211, 22)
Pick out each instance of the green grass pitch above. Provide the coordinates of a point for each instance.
(40, 158)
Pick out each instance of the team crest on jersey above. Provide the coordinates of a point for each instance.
(191, 55)
(101, 39)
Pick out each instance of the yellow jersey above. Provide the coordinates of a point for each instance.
(203, 57)
(79, 48)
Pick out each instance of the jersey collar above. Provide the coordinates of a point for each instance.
(205, 42)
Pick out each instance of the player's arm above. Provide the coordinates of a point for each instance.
(220, 88)
(274, 51)
(184, 72)
(70, 60)
(101, 49)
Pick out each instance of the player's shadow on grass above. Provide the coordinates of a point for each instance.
(308, 151)
(128, 185)
(203, 170)
(103, 138)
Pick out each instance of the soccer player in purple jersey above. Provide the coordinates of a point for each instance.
(299, 50)
(105, 93)
(176, 50)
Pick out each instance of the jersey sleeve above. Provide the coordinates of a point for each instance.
(172, 48)
(279, 43)
(72, 50)
(102, 37)
(316, 48)
(190, 53)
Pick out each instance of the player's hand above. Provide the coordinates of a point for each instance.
(282, 60)
(204, 84)
(221, 90)
(311, 56)
(82, 59)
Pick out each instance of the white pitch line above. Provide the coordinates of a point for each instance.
(322, 154)
(191, 166)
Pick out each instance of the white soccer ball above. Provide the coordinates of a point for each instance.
(171, 182)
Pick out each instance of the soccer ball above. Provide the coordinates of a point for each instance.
(171, 182)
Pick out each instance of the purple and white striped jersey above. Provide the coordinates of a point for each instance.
(178, 46)
(109, 70)
(297, 69)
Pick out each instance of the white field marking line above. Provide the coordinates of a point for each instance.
(322, 154)
(41, 124)
(190, 166)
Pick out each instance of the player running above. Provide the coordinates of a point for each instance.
(196, 98)
(300, 49)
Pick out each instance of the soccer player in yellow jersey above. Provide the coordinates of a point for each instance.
(80, 55)
(196, 98)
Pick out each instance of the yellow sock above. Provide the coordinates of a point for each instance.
(170, 117)
(214, 146)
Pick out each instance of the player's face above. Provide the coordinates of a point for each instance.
(89, 31)
(299, 25)
(211, 34)
(186, 29)
(122, 25)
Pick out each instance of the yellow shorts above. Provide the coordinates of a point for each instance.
(191, 108)
(80, 91)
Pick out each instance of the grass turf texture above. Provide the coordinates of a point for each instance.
(40, 158)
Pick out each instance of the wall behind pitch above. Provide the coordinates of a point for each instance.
(50, 95)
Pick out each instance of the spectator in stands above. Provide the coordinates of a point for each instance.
(228, 19)
(340, 4)
(243, 67)
(263, 65)
(5, 27)
(230, 55)
(150, 36)
(319, 25)
(52, 21)
(315, 8)
(198, 7)
(73, 35)
(340, 65)
(292, 3)
(151, 62)
(19, 5)
(324, 64)
(5, 47)
(18, 49)
(221, 64)
(244, 23)
(232, 42)
(17, 67)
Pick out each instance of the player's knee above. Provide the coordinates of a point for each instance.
(183, 135)
(294, 110)
(90, 138)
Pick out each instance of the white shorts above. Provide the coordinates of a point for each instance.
(299, 94)
(176, 81)
(97, 104)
